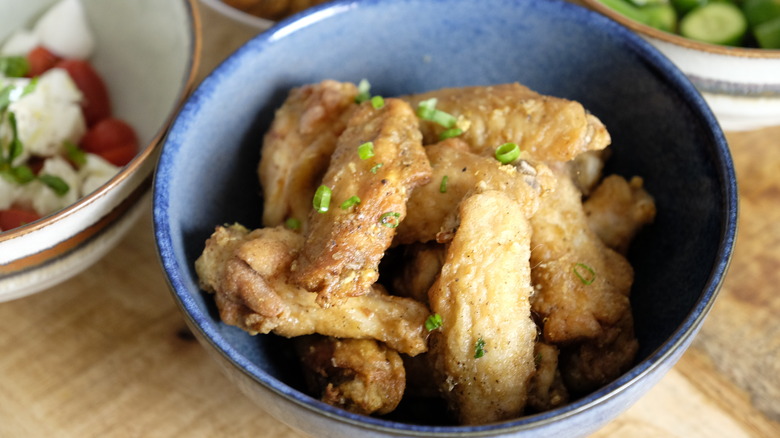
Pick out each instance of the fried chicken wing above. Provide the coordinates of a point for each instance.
(249, 274)
(466, 172)
(483, 353)
(421, 267)
(618, 209)
(581, 285)
(344, 246)
(359, 375)
(297, 147)
(545, 127)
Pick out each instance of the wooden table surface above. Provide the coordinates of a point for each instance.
(107, 353)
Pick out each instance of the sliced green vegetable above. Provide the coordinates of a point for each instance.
(507, 153)
(627, 9)
(14, 66)
(377, 102)
(768, 34)
(450, 133)
(364, 91)
(479, 348)
(353, 200)
(55, 183)
(390, 219)
(366, 150)
(661, 16)
(715, 23)
(321, 199)
(761, 11)
(433, 322)
(292, 223)
(685, 6)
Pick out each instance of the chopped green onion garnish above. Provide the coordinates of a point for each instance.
(14, 66)
(426, 108)
(321, 200)
(55, 183)
(390, 219)
(366, 150)
(444, 119)
(450, 133)
(376, 168)
(293, 224)
(433, 322)
(507, 153)
(354, 200)
(585, 273)
(364, 89)
(443, 184)
(479, 348)
(377, 102)
(75, 154)
(21, 174)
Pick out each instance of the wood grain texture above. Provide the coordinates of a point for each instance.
(107, 353)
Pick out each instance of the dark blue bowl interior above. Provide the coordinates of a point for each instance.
(661, 130)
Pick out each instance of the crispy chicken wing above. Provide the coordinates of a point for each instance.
(483, 353)
(581, 285)
(249, 273)
(465, 172)
(344, 246)
(545, 127)
(359, 375)
(618, 209)
(297, 147)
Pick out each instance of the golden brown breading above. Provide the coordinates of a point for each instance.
(359, 375)
(482, 296)
(249, 273)
(340, 258)
(545, 127)
(581, 285)
(547, 390)
(298, 145)
(467, 172)
(618, 209)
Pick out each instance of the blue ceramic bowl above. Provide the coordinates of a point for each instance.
(661, 129)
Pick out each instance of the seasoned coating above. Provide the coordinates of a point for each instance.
(565, 249)
(360, 375)
(586, 169)
(618, 209)
(297, 147)
(343, 248)
(547, 390)
(482, 296)
(249, 273)
(467, 172)
(545, 127)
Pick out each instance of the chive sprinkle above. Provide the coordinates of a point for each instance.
(55, 183)
(292, 223)
(321, 199)
(585, 279)
(377, 102)
(366, 150)
(450, 133)
(433, 322)
(443, 184)
(426, 110)
(507, 153)
(354, 200)
(390, 219)
(479, 348)
(376, 168)
(364, 89)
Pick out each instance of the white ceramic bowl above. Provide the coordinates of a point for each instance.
(147, 53)
(741, 85)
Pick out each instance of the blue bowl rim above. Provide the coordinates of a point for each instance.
(663, 354)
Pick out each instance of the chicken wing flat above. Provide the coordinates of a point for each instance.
(483, 352)
(545, 127)
(618, 209)
(344, 246)
(249, 273)
(581, 285)
(297, 147)
(466, 172)
(359, 375)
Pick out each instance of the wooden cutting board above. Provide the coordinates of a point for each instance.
(108, 354)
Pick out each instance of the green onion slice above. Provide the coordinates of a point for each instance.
(376, 168)
(450, 133)
(75, 154)
(377, 102)
(426, 110)
(585, 273)
(55, 183)
(353, 200)
(443, 184)
(366, 150)
(479, 348)
(364, 90)
(14, 66)
(321, 199)
(292, 223)
(390, 219)
(507, 153)
(433, 322)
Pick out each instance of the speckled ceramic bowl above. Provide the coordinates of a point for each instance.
(661, 127)
(147, 52)
(742, 85)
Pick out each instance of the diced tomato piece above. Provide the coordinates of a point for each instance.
(41, 60)
(112, 139)
(121, 155)
(16, 217)
(97, 104)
